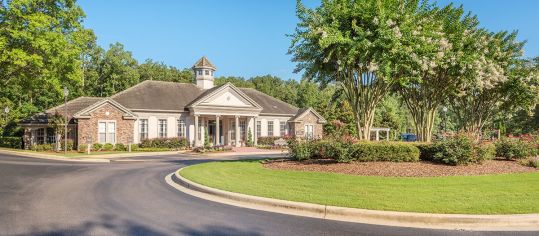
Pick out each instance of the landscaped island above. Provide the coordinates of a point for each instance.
(485, 194)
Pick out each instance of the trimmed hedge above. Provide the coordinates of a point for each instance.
(170, 143)
(269, 140)
(11, 142)
(346, 152)
(458, 150)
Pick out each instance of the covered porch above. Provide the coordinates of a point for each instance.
(224, 130)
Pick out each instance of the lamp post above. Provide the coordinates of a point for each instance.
(445, 118)
(66, 92)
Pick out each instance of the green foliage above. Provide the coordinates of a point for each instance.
(514, 149)
(166, 143)
(108, 147)
(207, 144)
(42, 147)
(69, 145)
(11, 142)
(347, 152)
(458, 150)
(267, 141)
(120, 147)
(249, 138)
(97, 147)
(485, 152)
(82, 148)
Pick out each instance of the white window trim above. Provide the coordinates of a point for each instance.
(305, 131)
(178, 125)
(159, 128)
(106, 131)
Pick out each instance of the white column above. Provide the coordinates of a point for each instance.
(217, 134)
(237, 133)
(377, 135)
(196, 131)
(255, 137)
(387, 135)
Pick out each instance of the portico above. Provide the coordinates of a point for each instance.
(222, 129)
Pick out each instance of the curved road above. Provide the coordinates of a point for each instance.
(41, 197)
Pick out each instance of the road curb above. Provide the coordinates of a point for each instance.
(53, 157)
(518, 222)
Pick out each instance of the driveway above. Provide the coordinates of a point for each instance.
(42, 197)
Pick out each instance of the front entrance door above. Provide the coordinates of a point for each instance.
(212, 132)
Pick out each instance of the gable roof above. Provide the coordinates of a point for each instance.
(158, 95)
(211, 92)
(204, 63)
(84, 113)
(269, 104)
(304, 111)
(73, 107)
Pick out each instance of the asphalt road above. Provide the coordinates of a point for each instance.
(41, 197)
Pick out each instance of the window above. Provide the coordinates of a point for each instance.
(309, 132)
(162, 128)
(199, 72)
(207, 72)
(143, 129)
(242, 129)
(270, 128)
(51, 135)
(181, 128)
(211, 72)
(258, 128)
(282, 128)
(107, 132)
(40, 136)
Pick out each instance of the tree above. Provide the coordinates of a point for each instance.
(150, 70)
(112, 71)
(497, 81)
(433, 61)
(57, 122)
(353, 44)
(41, 44)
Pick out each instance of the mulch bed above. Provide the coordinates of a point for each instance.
(400, 169)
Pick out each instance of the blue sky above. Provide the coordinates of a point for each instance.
(248, 38)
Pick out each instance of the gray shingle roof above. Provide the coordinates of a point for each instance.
(204, 63)
(73, 107)
(270, 105)
(158, 95)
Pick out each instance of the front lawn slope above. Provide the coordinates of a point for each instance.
(489, 194)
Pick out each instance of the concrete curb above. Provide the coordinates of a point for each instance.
(53, 157)
(519, 222)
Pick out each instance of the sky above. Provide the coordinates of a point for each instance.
(249, 38)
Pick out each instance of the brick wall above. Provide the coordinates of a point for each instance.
(88, 127)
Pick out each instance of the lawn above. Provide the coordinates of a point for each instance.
(487, 194)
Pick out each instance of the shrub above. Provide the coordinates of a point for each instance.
(108, 147)
(11, 142)
(456, 150)
(329, 149)
(169, 143)
(485, 152)
(41, 147)
(513, 149)
(426, 151)
(532, 162)
(69, 145)
(97, 147)
(83, 148)
(384, 151)
(270, 140)
(120, 147)
(301, 150)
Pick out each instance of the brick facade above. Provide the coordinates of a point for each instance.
(88, 127)
(298, 128)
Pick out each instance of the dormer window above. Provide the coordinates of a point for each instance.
(207, 72)
(199, 72)
(211, 72)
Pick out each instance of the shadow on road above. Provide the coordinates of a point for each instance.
(110, 225)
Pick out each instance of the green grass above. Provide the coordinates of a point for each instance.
(487, 194)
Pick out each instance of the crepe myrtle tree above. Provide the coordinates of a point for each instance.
(436, 55)
(497, 80)
(354, 45)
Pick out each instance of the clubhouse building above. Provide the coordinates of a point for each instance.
(157, 109)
